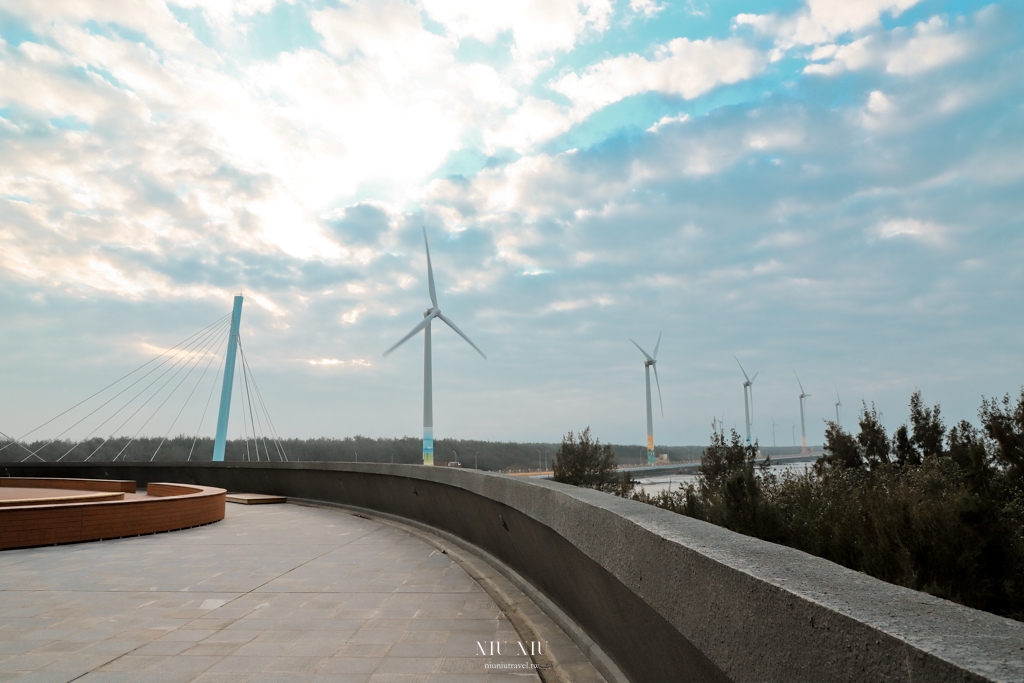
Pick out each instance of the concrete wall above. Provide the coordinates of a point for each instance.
(666, 597)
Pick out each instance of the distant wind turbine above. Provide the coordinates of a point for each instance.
(748, 388)
(649, 362)
(773, 430)
(839, 402)
(803, 429)
(428, 315)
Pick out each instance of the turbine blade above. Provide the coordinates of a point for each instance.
(430, 272)
(462, 334)
(658, 382)
(646, 355)
(741, 369)
(416, 329)
(798, 382)
(656, 347)
(752, 379)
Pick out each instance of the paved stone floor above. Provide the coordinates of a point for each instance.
(271, 593)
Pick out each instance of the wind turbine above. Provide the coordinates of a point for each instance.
(649, 362)
(773, 430)
(839, 402)
(428, 315)
(748, 387)
(803, 430)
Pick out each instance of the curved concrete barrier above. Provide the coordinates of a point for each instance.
(666, 597)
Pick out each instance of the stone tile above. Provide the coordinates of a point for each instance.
(208, 648)
(134, 663)
(406, 665)
(294, 664)
(278, 593)
(28, 662)
(350, 665)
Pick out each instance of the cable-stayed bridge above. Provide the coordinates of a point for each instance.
(174, 390)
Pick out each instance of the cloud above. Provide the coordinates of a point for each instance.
(822, 21)
(537, 26)
(145, 180)
(679, 68)
(923, 231)
(929, 45)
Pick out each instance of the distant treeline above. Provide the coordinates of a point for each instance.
(485, 455)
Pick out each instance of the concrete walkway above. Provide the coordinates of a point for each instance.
(271, 593)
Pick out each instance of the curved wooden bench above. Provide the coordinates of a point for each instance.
(58, 497)
(166, 507)
(122, 485)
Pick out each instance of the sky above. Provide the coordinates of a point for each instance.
(826, 188)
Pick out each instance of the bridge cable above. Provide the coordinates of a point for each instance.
(248, 370)
(207, 408)
(245, 428)
(253, 419)
(186, 351)
(273, 430)
(23, 446)
(248, 396)
(196, 354)
(222, 321)
(199, 381)
(116, 381)
(196, 359)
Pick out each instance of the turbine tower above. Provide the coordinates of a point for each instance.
(839, 402)
(773, 430)
(748, 388)
(803, 430)
(649, 362)
(428, 315)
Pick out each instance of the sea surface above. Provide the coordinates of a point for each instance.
(672, 482)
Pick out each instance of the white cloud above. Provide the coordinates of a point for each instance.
(682, 67)
(537, 26)
(923, 231)
(931, 44)
(822, 21)
(648, 8)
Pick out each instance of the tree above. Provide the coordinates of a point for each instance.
(966, 448)
(728, 491)
(581, 461)
(840, 449)
(1004, 425)
(928, 428)
(873, 442)
(903, 448)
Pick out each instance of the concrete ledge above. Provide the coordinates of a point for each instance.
(665, 596)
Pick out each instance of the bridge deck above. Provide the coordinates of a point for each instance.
(271, 593)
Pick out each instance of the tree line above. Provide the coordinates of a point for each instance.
(494, 456)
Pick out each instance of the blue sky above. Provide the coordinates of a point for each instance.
(824, 187)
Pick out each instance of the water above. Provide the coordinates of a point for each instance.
(672, 482)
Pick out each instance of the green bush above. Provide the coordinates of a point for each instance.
(582, 461)
(930, 510)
